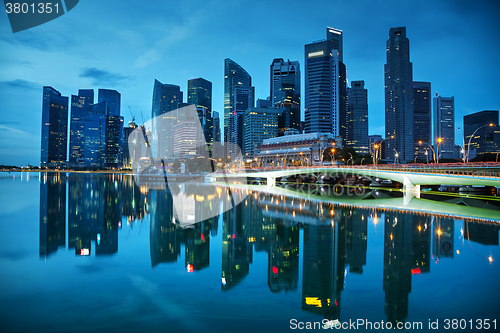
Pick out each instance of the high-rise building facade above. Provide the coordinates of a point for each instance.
(325, 86)
(483, 126)
(216, 126)
(285, 92)
(96, 123)
(234, 77)
(259, 124)
(421, 118)
(81, 106)
(444, 126)
(200, 93)
(242, 101)
(114, 127)
(127, 158)
(398, 97)
(54, 141)
(166, 97)
(357, 117)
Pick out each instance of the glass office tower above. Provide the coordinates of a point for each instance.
(398, 97)
(54, 127)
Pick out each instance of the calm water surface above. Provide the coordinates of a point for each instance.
(98, 253)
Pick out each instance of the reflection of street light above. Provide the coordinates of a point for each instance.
(468, 144)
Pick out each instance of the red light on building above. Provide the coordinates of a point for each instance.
(189, 268)
(233, 236)
(202, 238)
(335, 301)
(275, 270)
(415, 271)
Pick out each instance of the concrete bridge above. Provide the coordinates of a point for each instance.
(411, 179)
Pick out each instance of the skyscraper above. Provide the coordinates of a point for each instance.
(54, 127)
(216, 126)
(325, 85)
(357, 117)
(444, 126)
(242, 100)
(285, 92)
(486, 130)
(398, 96)
(166, 97)
(81, 106)
(96, 125)
(421, 118)
(259, 124)
(234, 77)
(200, 93)
(114, 127)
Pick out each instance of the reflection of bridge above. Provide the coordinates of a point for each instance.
(411, 178)
(377, 200)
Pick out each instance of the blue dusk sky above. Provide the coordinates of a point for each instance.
(125, 45)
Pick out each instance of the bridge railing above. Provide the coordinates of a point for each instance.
(453, 169)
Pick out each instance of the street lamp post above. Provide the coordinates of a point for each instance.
(396, 156)
(468, 144)
(433, 152)
(439, 142)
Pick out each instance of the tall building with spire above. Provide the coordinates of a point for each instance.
(326, 86)
(398, 97)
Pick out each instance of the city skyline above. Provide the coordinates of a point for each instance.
(130, 60)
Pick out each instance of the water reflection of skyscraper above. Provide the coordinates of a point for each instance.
(323, 267)
(52, 214)
(94, 212)
(236, 250)
(443, 234)
(398, 261)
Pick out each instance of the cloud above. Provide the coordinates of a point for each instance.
(20, 84)
(173, 35)
(102, 77)
(43, 41)
(18, 132)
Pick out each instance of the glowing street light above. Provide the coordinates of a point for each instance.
(470, 139)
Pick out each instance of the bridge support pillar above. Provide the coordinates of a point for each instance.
(410, 190)
(271, 181)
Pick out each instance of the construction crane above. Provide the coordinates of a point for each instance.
(133, 117)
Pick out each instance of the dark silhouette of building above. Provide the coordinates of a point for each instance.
(357, 117)
(398, 97)
(486, 138)
(54, 141)
(283, 262)
(285, 93)
(422, 111)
